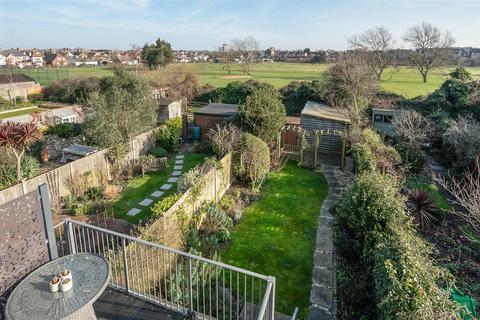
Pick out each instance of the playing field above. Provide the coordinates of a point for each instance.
(403, 80)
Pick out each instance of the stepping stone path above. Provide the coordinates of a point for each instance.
(167, 186)
(145, 202)
(157, 194)
(133, 212)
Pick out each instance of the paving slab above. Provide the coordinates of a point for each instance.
(176, 173)
(133, 212)
(145, 202)
(166, 186)
(180, 156)
(172, 179)
(178, 161)
(179, 167)
(157, 194)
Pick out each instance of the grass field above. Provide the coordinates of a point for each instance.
(140, 188)
(276, 235)
(405, 81)
(19, 113)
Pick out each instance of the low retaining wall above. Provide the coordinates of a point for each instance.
(216, 183)
(58, 178)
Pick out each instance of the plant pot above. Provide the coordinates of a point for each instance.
(55, 284)
(66, 274)
(66, 284)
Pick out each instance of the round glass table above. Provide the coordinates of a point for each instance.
(32, 298)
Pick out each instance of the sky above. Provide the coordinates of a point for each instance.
(206, 24)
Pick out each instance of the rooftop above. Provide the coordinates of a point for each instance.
(15, 78)
(219, 109)
(323, 111)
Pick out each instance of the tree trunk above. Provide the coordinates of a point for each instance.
(19, 166)
(424, 77)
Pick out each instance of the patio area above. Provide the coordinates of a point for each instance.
(114, 304)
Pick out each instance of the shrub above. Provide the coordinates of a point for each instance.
(169, 134)
(110, 192)
(254, 160)
(414, 162)
(423, 209)
(190, 179)
(80, 209)
(262, 115)
(30, 167)
(371, 154)
(370, 204)
(94, 193)
(164, 204)
(224, 139)
(463, 137)
(65, 130)
(71, 90)
(214, 218)
(158, 152)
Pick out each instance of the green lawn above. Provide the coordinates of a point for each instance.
(277, 234)
(424, 183)
(140, 188)
(19, 113)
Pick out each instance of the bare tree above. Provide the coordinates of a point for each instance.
(248, 50)
(224, 139)
(466, 192)
(352, 82)
(377, 42)
(430, 47)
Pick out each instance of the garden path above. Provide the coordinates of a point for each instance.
(159, 193)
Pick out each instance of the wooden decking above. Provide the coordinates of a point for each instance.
(116, 305)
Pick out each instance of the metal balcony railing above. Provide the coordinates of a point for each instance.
(179, 281)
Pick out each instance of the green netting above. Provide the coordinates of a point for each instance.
(467, 303)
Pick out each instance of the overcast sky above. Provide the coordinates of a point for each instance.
(205, 24)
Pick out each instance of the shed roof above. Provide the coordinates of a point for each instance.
(15, 78)
(322, 111)
(219, 109)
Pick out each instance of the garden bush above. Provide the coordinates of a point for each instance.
(169, 134)
(253, 164)
(158, 152)
(164, 204)
(30, 167)
(65, 130)
(414, 162)
(463, 137)
(214, 218)
(189, 179)
(371, 154)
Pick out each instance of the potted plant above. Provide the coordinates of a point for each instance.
(44, 154)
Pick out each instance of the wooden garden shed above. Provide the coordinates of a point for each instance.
(324, 127)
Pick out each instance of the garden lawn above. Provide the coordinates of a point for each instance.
(277, 234)
(140, 188)
(15, 113)
(423, 183)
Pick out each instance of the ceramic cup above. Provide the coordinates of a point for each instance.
(55, 284)
(66, 284)
(66, 274)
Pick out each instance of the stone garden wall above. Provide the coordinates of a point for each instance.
(58, 178)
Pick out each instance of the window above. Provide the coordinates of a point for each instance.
(387, 119)
(378, 118)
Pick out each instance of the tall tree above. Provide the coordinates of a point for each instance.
(157, 54)
(247, 48)
(16, 138)
(377, 42)
(263, 114)
(124, 107)
(430, 47)
(350, 82)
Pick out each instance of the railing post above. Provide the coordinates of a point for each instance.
(125, 266)
(70, 237)
(272, 298)
(190, 287)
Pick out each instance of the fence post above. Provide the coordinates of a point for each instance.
(190, 288)
(70, 238)
(125, 265)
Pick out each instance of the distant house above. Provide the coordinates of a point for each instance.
(18, 58)
(384, 119)
(3, 60)
(17, 85)
(37, 58)
(55, 60)
(208, 117)
(322, 118)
